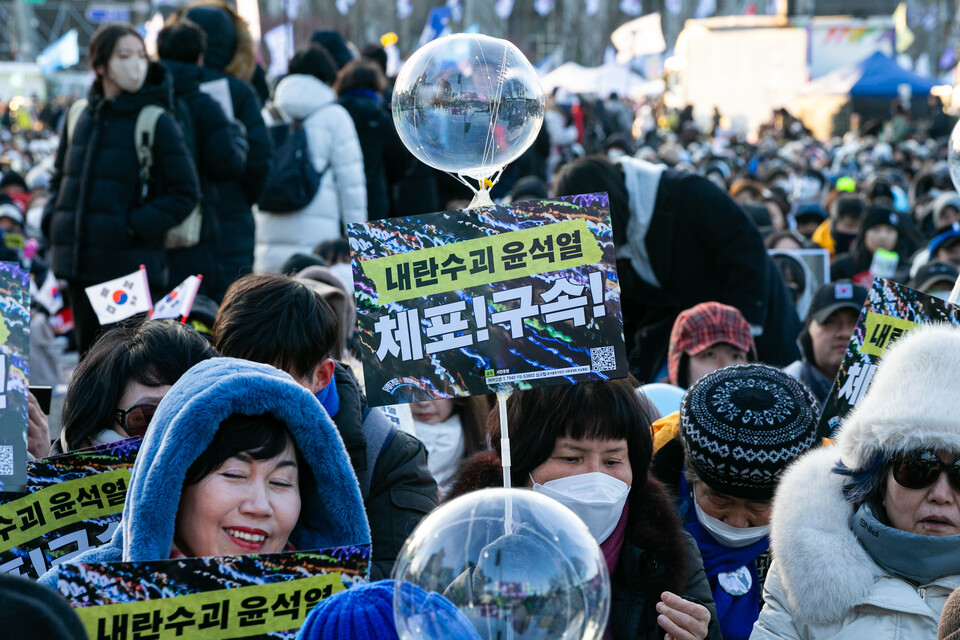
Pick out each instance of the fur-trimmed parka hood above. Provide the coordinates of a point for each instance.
(332, 512)
(230, 46)
(912, 401)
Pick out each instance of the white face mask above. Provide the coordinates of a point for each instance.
(129, 73)
(733, 537)
(597, 498)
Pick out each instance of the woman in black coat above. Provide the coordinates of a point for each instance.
(101, 222)
(360, 85)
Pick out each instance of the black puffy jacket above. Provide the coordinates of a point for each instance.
(385, 159)
(391, 466)
(97, 226)
(219, 148)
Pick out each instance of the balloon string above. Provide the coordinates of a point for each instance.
(490, 143)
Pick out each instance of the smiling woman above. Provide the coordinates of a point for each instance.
(239, 459)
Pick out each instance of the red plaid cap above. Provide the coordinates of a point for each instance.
(700, 327)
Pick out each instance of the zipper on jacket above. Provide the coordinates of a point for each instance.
(922, 593)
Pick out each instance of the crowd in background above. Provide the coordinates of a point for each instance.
(705, 530)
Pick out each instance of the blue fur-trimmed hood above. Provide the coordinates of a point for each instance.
(332, 512)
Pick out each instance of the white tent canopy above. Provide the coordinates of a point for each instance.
(601, 81)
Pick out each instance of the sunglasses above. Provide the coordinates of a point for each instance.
(136, 419)
(920, 469)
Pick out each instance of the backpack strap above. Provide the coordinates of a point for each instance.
(73, 116)
(144, 133)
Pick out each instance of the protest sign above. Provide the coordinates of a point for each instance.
(459, 303)
(73, 504)
(216, 598)
(890, 311)
(14, 374)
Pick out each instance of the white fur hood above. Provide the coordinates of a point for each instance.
(824, 569)
(912, 401)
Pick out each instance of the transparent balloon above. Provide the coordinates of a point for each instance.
(953, 156)
(516, 564)
(468, 104)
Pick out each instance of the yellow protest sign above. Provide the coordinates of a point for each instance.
(472, 263)
(224, 614)
(880, 331)
(59, 505)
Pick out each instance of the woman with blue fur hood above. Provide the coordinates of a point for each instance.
(213, 477)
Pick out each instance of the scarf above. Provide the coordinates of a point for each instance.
(918, 558)
(329, 398)
(727, 570)
(642, 180)
(363, 93)
(611, 548)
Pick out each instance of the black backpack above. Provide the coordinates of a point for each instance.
(292, 181)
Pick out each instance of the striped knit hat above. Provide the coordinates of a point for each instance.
(741, 426)
(703, 326)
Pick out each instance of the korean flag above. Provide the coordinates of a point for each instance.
(118, 299)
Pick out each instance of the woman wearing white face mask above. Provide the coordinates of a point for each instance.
(105, 218)
(740, 426)
(589, 446)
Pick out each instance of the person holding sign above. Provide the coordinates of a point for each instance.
(589, 446)
(865, 535)
(114, 391)
(239, 459)
(284, 322)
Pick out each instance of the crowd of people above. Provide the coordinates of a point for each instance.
(726, 515)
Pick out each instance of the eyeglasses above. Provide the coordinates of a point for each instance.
(920, 469)
(136, 419)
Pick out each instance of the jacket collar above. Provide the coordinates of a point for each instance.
(349, 419)
(824, 570)
(157, 89)
(186, 77)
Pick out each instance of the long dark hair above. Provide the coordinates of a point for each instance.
(104, 41)
(151, 352)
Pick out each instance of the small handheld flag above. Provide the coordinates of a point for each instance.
(177, 303)
(120, 298)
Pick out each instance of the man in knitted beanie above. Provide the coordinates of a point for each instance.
(365, 612)
(740, 426)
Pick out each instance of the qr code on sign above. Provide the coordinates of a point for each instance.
(603, 359)
(6, 460)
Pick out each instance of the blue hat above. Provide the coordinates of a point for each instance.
(365, 612)
(945, 237)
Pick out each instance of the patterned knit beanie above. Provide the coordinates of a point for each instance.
(742, 425)
(365, 612)
(703, 326)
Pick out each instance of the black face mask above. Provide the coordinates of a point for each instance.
(842, 241)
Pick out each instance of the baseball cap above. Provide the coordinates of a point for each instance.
(842, 294)
(933, 273)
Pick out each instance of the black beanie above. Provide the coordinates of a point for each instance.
(13, 179)
(877, 215)
(741, 426)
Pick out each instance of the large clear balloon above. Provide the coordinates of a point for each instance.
(468, 104)
(953, 156)
(515, 563)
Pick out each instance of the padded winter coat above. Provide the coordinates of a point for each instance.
(822, 584)
(335, 150)
(97, 225)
